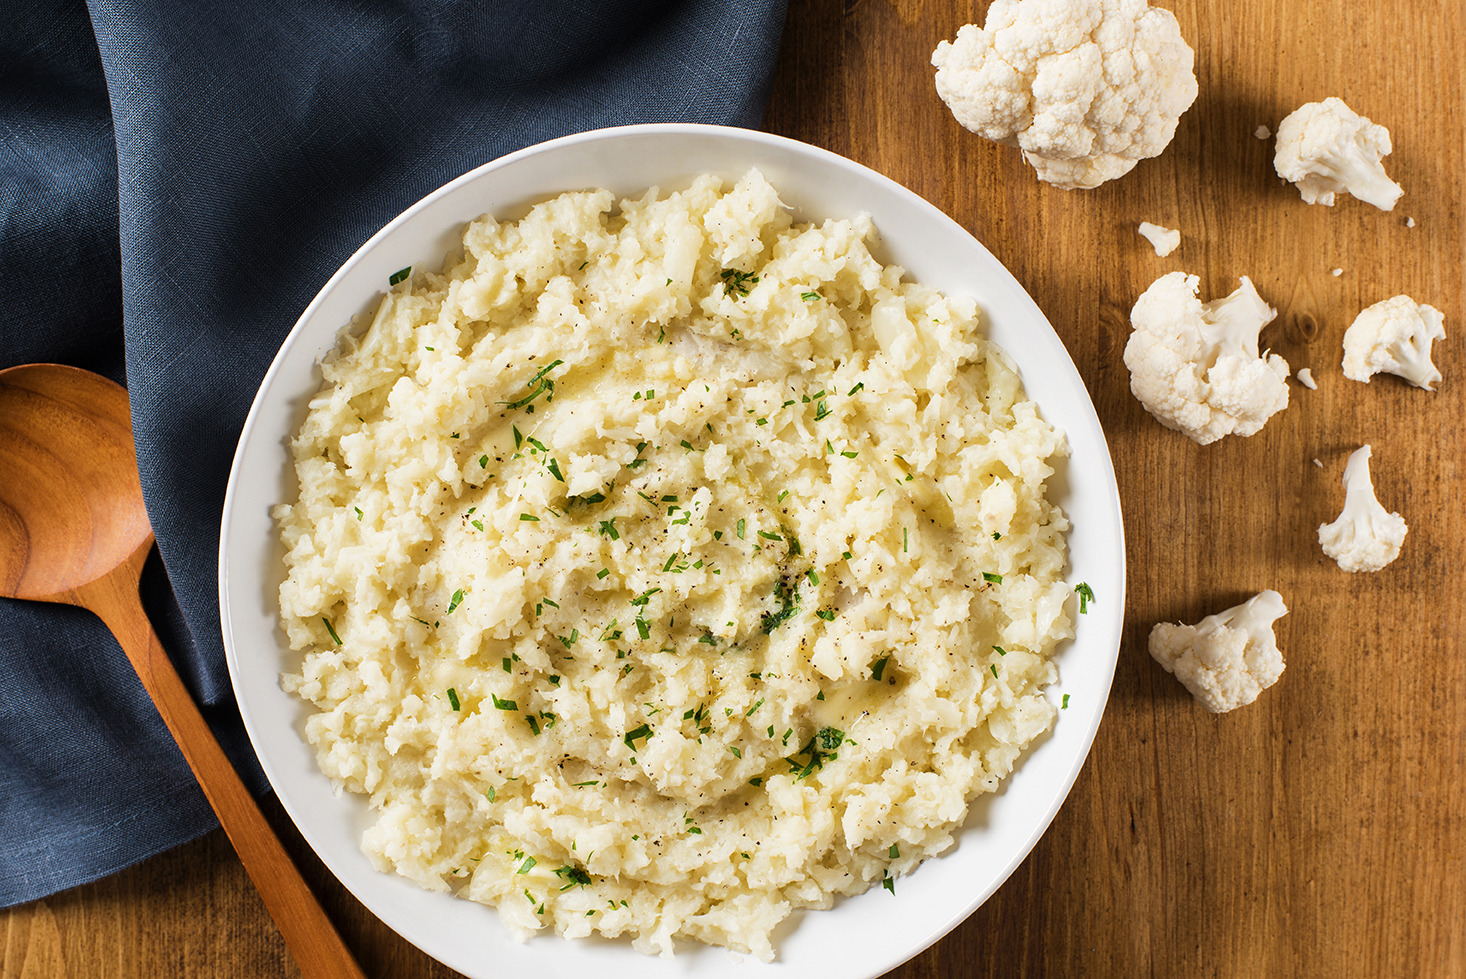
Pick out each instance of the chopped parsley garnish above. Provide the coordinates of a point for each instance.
(541, 384)
(895, 852)
(736, 283)
(742, 524)
(858, 387)
(503, 704)
(581, 785)
(809, 297)
(358, 512)
(997, 536)
(1065, 704)
(889, 883)
(534, 725)
(1000, 650)
(399, 276)
(608, 529)
(995, 579)
(603, 572)
(736, 752)
(994, 668)
(879, 667)
(1085, 597)
(331, 630)
(823, 411)
(644, 597)
(766, 535)
(527, 866)
(530, 517)
(645, 731)
(554, 468)
(818, 750)
(756, 706)
(788, 607)
(572, 876)
(828, 614)
(455, 601)
(483, 462)
(453, 698)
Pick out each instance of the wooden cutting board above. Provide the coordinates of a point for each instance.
(1318, 832)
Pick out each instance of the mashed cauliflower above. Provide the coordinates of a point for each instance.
(663, 567)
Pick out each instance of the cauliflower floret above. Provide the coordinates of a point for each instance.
(1366, 537)
(1086, 88)
(1163, 240)
(1326, 148)
(1196, 367)
(1394, 336)
(1226, 659)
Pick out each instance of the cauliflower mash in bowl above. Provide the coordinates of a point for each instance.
(665, 562)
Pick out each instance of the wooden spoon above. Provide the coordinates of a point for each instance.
(73, 529)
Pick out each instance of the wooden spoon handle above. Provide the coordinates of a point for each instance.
(313, 941)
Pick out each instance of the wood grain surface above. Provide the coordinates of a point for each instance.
(1318, 832)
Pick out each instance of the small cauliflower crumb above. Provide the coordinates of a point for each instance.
(1226, 659)
(1409, 222)
(1325, 148)
(1394, 336)
(1262, 132)
(1305, 378)
(1164, 240)
(1318, 463)
(1195, 367)
(1086, 88)
(1366, 537)
(1336, 273)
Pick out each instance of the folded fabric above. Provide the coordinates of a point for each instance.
(226, 159)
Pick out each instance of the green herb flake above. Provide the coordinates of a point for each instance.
(895, 852)
(858, 387)
(453, 698)
(889, 883)
(995, 579)
(1065, 704)
(358, 512)
(608, 529)
(823, 411)
(742, 524)
(401, 275)
(530, 517)
(637, 734)
(1085, 597)
(572, 876)
(455, 601)
(756, 706)
(554, 468)
(997, 536)
(603, 572)
(503, 704)
(878, 667)
(828, 614)
(735, 751)
(534, 725)
(809, 297)
(994, 668)
(1000, 650)
(527, 866)
(331, 629)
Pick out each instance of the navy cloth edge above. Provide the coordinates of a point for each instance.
(176, 183)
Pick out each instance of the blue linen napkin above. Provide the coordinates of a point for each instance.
(227, 158)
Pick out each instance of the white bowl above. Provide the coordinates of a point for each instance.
(861, 936)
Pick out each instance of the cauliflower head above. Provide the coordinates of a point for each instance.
(1394, 337)
(1326, 148)
(1086, 88)
(1226, 659)
(1195, 366)
(1366, 537)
